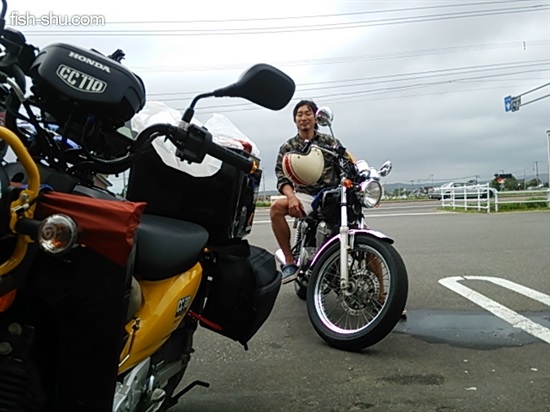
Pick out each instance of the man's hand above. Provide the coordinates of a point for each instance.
(295, 207)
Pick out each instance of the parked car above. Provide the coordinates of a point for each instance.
(461, 190)
(436, 193)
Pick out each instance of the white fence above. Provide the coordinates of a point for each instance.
(522, 196)
(480, 197)
(468, 197)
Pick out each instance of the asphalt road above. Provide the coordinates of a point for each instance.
(457, 350)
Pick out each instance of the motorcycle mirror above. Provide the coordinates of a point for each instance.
(262, 84)
(324, 116)
(385, 169)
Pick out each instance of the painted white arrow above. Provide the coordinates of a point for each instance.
(501, 311)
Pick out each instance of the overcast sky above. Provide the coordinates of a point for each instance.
(419, 82)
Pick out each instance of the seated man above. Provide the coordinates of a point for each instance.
(298, 198)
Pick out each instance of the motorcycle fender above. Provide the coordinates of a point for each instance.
(352, 233)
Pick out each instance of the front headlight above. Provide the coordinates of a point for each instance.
(371, 192)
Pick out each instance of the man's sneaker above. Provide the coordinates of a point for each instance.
(290, 272)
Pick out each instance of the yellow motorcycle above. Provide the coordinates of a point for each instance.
(100, 296)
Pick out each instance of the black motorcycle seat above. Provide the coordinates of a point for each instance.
(167, 247)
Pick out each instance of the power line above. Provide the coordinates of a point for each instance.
(399, 88)
(183, 96)
(347, 96)
(449, 71)
(244, 107)
(347, 59)
(317, 16)
(380, 90)
(300, 28)
(401, 77)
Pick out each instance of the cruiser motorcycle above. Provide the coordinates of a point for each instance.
(353, 279)
(100, 296)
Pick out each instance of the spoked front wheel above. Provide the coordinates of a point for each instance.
(368, 310)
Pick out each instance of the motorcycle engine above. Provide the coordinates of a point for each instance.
(303, 239)
(322, 234)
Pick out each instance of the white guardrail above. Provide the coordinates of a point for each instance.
(480, 197)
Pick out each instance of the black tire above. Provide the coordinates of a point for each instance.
(375, 300)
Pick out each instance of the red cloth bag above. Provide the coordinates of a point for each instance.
(105, 226)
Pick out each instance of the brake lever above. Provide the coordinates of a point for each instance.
(192, 143)
(335, 151)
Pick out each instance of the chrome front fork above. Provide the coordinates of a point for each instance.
(344, 241)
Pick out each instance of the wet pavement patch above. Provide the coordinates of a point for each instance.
(468, 329)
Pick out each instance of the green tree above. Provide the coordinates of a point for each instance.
(510, 183)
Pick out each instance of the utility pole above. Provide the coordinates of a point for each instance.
(513, 103)
(536, 168)
(548, 148)
(265, 197)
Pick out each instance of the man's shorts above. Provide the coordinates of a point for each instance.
(306, 201)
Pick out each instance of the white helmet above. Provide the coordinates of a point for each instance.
(304, 169)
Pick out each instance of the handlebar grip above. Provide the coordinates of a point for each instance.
(245, 164)
(195, 142)
(28, 227)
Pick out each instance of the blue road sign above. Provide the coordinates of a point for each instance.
(508, 103)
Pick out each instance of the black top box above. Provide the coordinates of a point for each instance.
(224, 203)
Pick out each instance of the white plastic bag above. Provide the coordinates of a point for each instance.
(153, 113)
(223, 133)
(227, 134)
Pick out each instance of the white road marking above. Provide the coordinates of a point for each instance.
(501, 311)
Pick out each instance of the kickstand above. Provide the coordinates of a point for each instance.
(176, 397)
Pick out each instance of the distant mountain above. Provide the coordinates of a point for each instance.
(390, 187)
